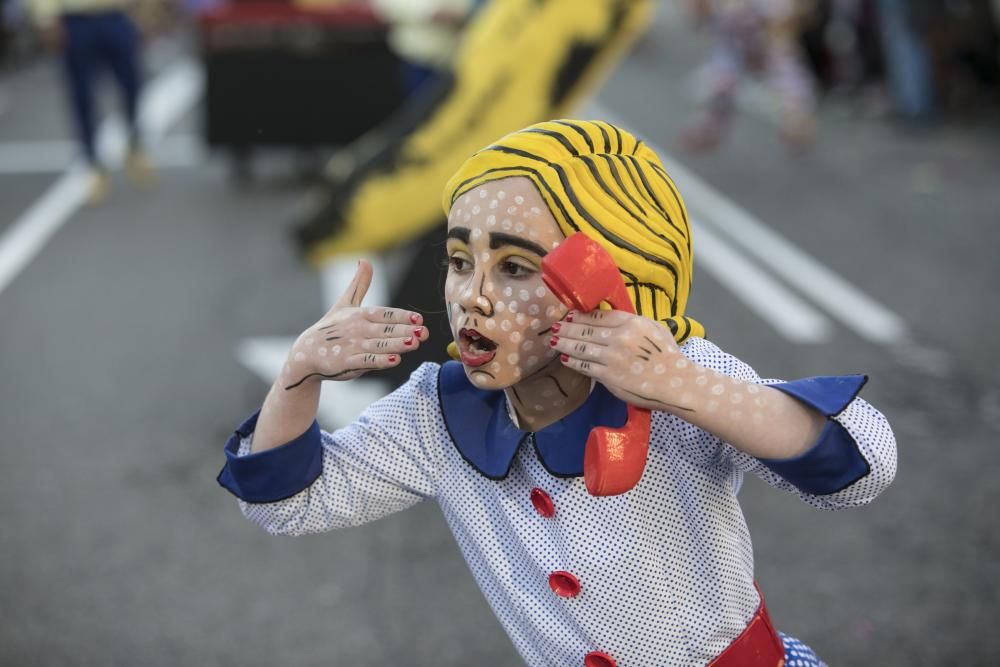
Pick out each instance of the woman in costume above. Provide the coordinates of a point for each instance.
(659, 575)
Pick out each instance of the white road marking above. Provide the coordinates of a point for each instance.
(853, 308)
(168, 97)
(796, 320)
(52, 157)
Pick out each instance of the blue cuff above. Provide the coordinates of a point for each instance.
(835, 461)
(275, 474)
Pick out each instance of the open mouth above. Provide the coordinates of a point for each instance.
(475, 348)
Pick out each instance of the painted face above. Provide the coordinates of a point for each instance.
(500, 310)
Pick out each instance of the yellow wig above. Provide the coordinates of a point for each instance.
(600, 180)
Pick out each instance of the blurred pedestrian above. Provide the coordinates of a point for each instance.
(758, 38)
(907, 60)
(424, 34)
(92, 35)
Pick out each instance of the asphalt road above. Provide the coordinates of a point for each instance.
(118, 348)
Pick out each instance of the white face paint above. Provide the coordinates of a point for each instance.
(494, 274)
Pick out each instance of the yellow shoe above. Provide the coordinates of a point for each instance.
(139, 168)
(100, 186)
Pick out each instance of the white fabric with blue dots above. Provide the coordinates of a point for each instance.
(666, 570)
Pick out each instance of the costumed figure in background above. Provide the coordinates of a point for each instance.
(92, 35)
(520, 62)
(660, 573)
(758, 38)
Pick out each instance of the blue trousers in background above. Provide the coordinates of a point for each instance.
(94, 42)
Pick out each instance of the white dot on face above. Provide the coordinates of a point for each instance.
(533, 309)
(519, 227)
(606, 333)
(479, 378)
(466, 217)
(491, 220)
(467, 294)
(299, 356)
(759, 402)
(508, 291)
(515, 337)
(488, 287)
(519, 200)
(718, 389)
(501, 306)
(532, 233)
(512, 306)
(752, 389)
(736, 398)
(712, 406)
(524, 295)
(482, 194)
(682, 363)
(485, 257)
(637, 367)
(512, 209)
(491, 324)
(476, 233)
(309, 341)
(322, 351)
(540, 291)
(335, 350)
(701, 380)
(532, 360)
(676, 382)
(506, 224)
(455, 308)
(517, 372)
(512, 358)
(465, 199)
(520, 318)
(495, 367)
(476, 209)
(535, 210)
(539, 407)
(505, 325)
(551, 311)
(535, 324)
(501, 195)
(659, 369)
(494, 204)
(528, 344)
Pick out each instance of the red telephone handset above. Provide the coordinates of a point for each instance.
(582, 274)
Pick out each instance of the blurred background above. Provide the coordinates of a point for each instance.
(840, 161)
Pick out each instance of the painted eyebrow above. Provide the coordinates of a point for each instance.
(498, 239)
(460, 233)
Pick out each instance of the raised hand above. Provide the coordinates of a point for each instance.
(351, 340)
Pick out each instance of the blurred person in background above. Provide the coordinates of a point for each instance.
(907, 59)
(424, 34)
(92, 35)
(758, 38)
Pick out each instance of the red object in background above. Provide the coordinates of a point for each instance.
(582, 274)
(598, 659)
(357, 14)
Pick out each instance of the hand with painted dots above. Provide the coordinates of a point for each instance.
(346, 343)
(639, 362)
(350, 340)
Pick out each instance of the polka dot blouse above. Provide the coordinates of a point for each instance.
(660, 575)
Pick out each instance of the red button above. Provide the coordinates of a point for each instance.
(598, 659)
(543, 504)
(564, 584)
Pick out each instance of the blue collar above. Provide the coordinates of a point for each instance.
(481, 429)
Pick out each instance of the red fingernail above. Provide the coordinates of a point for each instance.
(415, 318)
(553, 341)
(555, 328)
(408, 340)
(569, 316)
(393, 358)
(564, 358)
(418, 332)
